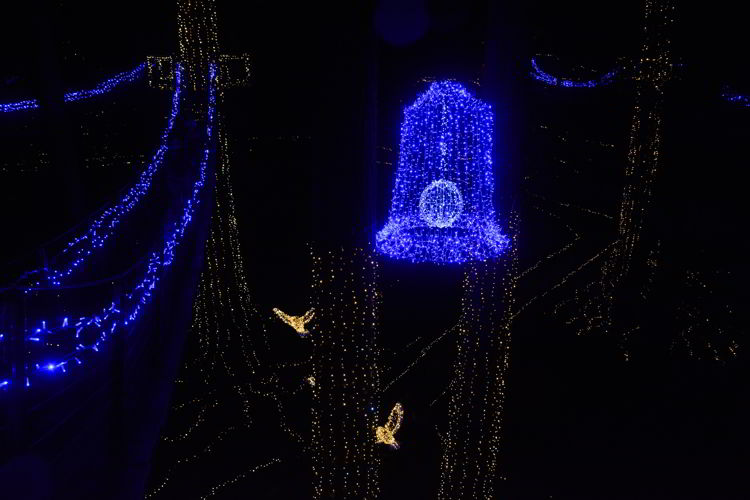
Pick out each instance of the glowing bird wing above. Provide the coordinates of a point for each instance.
(395, 418)
(308, 315)
(282, 315)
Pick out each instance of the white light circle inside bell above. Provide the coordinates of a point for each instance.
(440, 203)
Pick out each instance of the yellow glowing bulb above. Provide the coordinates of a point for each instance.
(385, 434)
(296, 322)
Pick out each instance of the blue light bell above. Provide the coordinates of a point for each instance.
(442, 209)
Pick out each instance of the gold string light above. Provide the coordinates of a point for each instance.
(296, 322)
(160, 72)
(597, 306)
(386, 433)
(186, 460)
(471, 443)
(198, 41)
(707, 328)
(273, 393)
(215, 489)
(227, 329)
(234, 70)
(643, 160)
(564, 248)
(198, 47)
(419, 357)
(563, 281)
(346, 372)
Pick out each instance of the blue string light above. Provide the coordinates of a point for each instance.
(442, 208)
(79, 95)
(735, 98)
(540, 75)
(89, 332)
(107, 85)
(19, 106)
(104, 226)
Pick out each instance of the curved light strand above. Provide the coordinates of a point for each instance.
(100, 230)
(542, 76)
(115, 317)
(80, 95)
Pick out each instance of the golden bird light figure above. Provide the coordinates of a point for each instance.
(385, 434)
(296, 322)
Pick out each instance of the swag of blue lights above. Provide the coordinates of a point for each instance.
(736, 98)
(81, 247)
(542, 76)
(79, 95)
(85, 334)
(442, 206)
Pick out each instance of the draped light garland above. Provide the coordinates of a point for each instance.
(80, 248)
(104, 87)
(87, 333)
(540, 75)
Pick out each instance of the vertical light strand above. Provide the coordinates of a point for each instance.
(643, 158)
(229, 327)
(227, 330)
(346, 373)
(198, 45)
(477, 391)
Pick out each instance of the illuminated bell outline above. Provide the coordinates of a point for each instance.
(442, 205)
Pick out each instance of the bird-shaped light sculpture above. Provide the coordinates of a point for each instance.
(385, 434)
(297, 322)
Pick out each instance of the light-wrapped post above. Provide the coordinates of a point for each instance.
(472, 442)
(344, 366)
(629, 265)
(197, 31)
